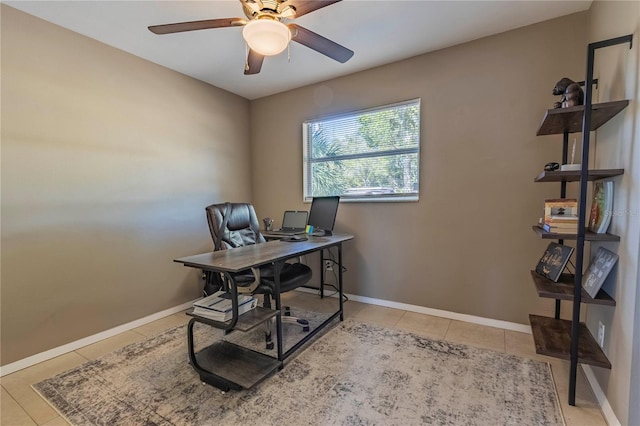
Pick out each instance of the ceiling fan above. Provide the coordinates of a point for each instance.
(266, 30)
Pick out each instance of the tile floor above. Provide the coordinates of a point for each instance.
(20, 405)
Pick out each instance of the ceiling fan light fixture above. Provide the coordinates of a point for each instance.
(267, 37)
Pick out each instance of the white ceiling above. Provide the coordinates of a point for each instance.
(378, 31)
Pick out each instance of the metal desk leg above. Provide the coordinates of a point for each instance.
(277, 269)
(340, 282)
(322, 274)
(205, 375)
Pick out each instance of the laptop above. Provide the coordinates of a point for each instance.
(293, 223)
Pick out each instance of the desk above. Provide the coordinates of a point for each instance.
(230, 366)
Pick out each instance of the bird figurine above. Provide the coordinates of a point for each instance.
(571, 92)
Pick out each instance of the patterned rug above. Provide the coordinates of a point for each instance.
(355, 374)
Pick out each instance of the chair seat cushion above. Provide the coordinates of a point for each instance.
(293, 275)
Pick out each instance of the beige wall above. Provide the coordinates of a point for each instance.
(109, 160)
(467, 245)
(617, 145)
(107, 164)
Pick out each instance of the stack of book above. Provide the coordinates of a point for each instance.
(561, 215)
(218, 306)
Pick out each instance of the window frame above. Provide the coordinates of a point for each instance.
(307, 162)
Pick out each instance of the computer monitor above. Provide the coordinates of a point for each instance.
(322, 215)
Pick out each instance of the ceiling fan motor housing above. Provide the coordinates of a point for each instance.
(276, 9)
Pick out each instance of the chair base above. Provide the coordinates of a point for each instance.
(287, 319)
(298, 321)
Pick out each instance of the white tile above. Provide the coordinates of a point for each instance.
(110, 344)
(12, 413)
(479, 336)
(424, 325)
(380, 315)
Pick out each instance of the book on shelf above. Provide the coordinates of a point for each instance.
(220, 301)
(219, 306)
(572, 229)
(553, 261)
(226, 316)
(569, 219)
(602, 263)
(601, 207)
(571, 224)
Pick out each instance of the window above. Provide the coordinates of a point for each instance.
(368, 155)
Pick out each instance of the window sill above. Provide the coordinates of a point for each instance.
(374, 199)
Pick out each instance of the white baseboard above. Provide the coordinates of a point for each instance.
(489, 322)
(607, 411)
(70, 347)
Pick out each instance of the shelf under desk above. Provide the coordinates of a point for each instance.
(236, 364)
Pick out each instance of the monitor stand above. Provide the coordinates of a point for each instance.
(321, 233)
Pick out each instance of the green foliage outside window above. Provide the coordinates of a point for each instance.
(363, 155)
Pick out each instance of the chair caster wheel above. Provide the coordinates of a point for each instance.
(270, 345)
(305, 324)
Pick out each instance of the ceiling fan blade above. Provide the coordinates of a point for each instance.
(307, 6)
(254, 63)
(196, 25)
(320, 44)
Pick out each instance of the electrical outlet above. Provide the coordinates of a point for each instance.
(328, 265)
(601, 334)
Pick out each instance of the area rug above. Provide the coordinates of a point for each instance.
(355, 374)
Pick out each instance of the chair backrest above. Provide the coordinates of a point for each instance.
(233, 225)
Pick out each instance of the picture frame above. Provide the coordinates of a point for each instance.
(553, 261)
(558, 210)
(598, 271)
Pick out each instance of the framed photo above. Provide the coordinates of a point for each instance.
(558, 209)
(602, 263)
(553, 261)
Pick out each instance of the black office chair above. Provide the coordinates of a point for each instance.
(236, 225)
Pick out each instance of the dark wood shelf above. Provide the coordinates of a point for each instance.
(552, 337)
(560, 120)
(574, 175)
(246, 321)
(563, 290)
(588, 235)
(236, 364)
